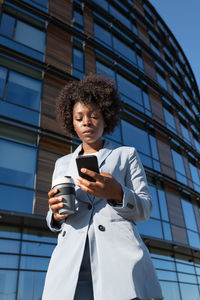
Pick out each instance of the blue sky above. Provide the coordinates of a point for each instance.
(183, 19)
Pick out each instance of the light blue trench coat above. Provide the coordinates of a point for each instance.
(120, 262)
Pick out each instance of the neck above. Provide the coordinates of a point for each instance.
(87, 148)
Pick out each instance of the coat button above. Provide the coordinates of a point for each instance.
(101, 228)
(64, 232)
(89, 206)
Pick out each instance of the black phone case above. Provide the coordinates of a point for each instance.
(89, 162)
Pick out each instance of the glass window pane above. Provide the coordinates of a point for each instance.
(185, 133)
(102, 34)
(163, 264)
(105, 71)
(31, 285)
(78, 62)
(179, 167)
(185, 268)
(24, 90)
(188, 212)
(129, 89)
(162, 82)
(163, 205)
(16, 112)
(37, 249)
(17, 164)
(167, 231)
(9, 261)
(19, 199)
(169, 118)
(30, 36)
(3, 75)
(189, 291)
(119, 16)
(34, 263)
(166, 275)
(170, 290)
(155, 210)
(102, 3)
(150, 228)
(78, 18)
(9, 246)
(195, 176)
(124, 50)
(7, 25)
(37, 235)
(8, 282)
(136, 137)
(154, 149)
(193, 239)
(10, 232)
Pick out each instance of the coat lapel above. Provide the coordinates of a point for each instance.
(104, 152)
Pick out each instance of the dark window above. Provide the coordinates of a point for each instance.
(3, 75)
(78, 63)
(41, 4)
(102, 3)
(123, 49)
(102, 35)
(22, 37)
(130, 92)
(23, 95)
(161, 80)
(105, 71)
(185, 133)
(179, 166)
(195, 176)
(169, 119)
(124, 20)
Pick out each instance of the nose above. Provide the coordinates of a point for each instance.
(86, 121)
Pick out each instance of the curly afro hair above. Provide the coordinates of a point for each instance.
(93, 89)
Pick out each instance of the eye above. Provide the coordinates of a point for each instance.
(78, 119)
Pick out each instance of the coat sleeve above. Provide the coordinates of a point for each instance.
(137, 204)
(54, 226)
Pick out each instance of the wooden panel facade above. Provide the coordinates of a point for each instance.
(165, 155)
(59, 48)
(174, 205)
(62, 10)
(138, 6)
(49, 151)
(156, 106)
(90, 61)
(51, 89)
(179, 234)
(187, 169)
(196, 206)
(149, 67)
(88, 22)
(143, 34)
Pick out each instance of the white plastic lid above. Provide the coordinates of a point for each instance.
(62, 180)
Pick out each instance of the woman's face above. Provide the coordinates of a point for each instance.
(88, 123)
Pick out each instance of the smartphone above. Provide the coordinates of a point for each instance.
(89, 162)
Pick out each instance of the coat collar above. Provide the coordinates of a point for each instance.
(102, 154)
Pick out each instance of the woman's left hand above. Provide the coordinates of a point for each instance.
(105, 186)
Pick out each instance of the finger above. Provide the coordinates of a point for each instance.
(87, 189)
(56, 207)
(55, 200)
(52, 192)
(92, 174)
(57, 217)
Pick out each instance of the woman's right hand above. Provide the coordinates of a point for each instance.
(55, 203)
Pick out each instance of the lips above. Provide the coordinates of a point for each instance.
(88, 132)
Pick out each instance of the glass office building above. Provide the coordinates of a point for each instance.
(45, 43)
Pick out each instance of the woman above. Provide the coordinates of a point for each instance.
(100, 254)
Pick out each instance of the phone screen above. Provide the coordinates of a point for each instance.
(89, 162)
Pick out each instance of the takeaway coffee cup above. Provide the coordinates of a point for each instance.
(66, 188)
